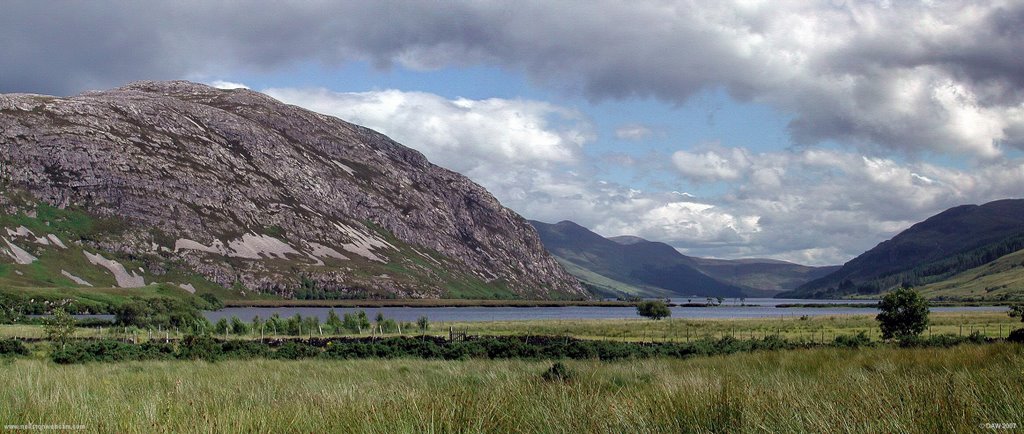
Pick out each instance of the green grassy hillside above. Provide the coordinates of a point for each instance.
(1002, 279)
(943, 245)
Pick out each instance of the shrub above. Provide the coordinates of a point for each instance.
(243, 349)
(296, 350)
(558, 372)
(1016, 336)
(212, 301)
(1017, 311)
(158, 311)
(194, 347)
(110, 351)
(12, 347)
(858, 340)
(655, 309)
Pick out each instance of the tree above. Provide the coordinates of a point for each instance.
(334, 324)
(238, 327)
(351, 323)
(362, 320)
(904, 314)
(1017, 311)
(423, 323)
(221, 327)
(60, 327)
(656, 309)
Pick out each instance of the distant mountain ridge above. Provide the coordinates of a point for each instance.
(945, 244)
(633, 265)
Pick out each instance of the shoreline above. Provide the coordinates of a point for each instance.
(426, 303)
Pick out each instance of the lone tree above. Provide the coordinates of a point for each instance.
(904, 314)
(656, 309)
(59, 327)
(1017, 311)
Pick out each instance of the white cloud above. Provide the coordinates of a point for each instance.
(221, 84)
(714, 164)
(460, 134)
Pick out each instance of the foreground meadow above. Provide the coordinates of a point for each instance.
(820, 390)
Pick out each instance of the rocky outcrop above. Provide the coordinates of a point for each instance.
(245, 189)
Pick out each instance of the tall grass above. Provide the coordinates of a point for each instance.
(820, 390)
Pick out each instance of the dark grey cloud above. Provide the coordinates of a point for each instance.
(915, 76)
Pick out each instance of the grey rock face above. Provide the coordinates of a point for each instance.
(245, 189)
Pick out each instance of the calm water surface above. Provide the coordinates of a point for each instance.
(753, 308)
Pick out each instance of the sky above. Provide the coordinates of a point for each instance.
(806, 131)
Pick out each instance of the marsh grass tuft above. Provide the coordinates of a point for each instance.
(558, 372)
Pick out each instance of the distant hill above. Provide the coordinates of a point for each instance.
(1002, 279)
(936, 249)
(629, 265)
(762, 274)
(642, 268)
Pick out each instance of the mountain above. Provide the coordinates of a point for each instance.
(1001, 279)
(948, 243)
(631, 266)
(184, 183)
(762, 274)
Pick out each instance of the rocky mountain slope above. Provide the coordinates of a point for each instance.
(239, 190)
(950, 242)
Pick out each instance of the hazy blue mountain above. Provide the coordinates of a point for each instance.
(633, 265)
(950, 242)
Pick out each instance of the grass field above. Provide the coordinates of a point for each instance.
(813, 328)
(820, 390)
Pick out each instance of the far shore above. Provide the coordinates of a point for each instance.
(426, 303)
(371, 303)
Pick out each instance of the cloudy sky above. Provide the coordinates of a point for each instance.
(800, 130)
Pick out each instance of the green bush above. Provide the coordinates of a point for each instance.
(558, 372)
(296, 350)
(1016, 336)
(12, 347)
(158, 311)
(212, 301)
(194, 347)
(110, 351)
(656, 310)
(858, 340)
